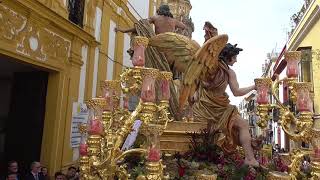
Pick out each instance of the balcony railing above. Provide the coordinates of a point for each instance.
(76, 11)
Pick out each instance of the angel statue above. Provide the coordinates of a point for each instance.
(206, 75)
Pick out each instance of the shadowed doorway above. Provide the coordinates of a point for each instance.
(23, 90)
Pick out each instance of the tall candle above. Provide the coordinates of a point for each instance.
(138, 58)
(153, 154)
(165, 90)
(148, 93)
(303, 97)
(139, 45)
(262, 97)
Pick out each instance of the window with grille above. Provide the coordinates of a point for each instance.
(305, 64)
(76, 11)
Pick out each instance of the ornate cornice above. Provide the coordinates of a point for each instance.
(31, 38)
(54, 19)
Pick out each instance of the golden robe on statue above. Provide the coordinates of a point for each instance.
(213, 106)
(156, 59)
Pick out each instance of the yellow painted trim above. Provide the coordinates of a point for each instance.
(89, 73)
(51, 151)
(105, 26)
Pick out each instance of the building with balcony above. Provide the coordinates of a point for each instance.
(54, 53)
(303, 37)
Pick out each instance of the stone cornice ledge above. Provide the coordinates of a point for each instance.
(57, 20)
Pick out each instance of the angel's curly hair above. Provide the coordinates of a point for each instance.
(164, 10)
(228, 52)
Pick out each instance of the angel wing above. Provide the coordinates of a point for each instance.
(188, 58)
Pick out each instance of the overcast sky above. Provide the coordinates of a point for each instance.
(257, 26)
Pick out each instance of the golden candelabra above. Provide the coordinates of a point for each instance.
(300, 127)
(101, 154)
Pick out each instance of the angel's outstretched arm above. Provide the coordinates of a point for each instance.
(234, 85)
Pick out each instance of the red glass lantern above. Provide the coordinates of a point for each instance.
(149, 76)
(292, 58)
(109, 90)
(95, 127)
(96, 106)
(139, 45)
(303, 97)
(263, 90)
(153, 154)
(165, 78)
(83, 149)
(154, 148)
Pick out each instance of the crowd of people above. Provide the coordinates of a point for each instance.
(38, 172)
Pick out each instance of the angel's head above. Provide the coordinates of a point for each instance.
(210, 30)
(229, 54)
(164, 10)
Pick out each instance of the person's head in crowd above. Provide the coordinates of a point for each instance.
(13, 166)
(59, 176)
(44, 170)
(71, 172)
(35, 167)
(11, 176)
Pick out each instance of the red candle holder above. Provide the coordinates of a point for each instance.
(304, 103)
(149, 76)
(109, 90)
(139, 45)
(292, 58)
(83, 149)
(96, 106)
(263, 89)
(165, 78)
(154, 154)
(95, 127)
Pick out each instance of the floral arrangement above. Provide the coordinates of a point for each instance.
(205, 157)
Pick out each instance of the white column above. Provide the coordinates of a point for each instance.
(126, 57)
(95, 72)
(97, 26)
(82, 83)
(111, 50)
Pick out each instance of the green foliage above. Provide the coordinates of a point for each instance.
(241, 172)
